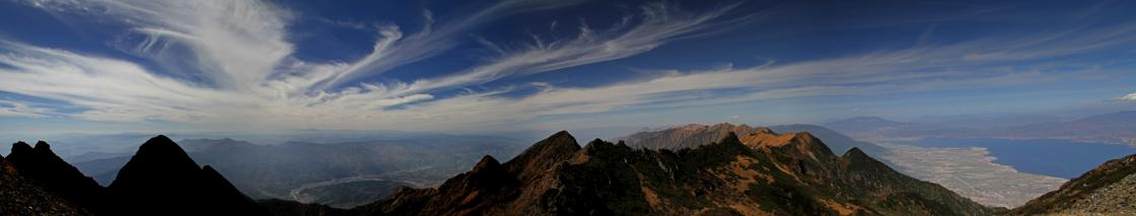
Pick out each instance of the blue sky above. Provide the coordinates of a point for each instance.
(475, 66)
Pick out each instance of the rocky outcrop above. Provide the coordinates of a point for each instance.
(1105, 190)
(22, 197)
(41, 166)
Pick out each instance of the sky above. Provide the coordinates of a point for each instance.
(72, 66)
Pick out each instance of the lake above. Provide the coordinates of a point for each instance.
(1052, 157)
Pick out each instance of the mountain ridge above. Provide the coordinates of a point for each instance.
(1105, 190)
(615, 179)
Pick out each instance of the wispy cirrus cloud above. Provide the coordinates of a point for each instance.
(18, 109)
(240, 47)
(252, 80)
(235, 44)
(657, 24)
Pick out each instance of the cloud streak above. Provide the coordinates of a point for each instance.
(253, 80)
(1129, 97)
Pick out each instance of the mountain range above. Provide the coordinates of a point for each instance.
(693, 135)
(345, 175)
(160, 179)
(761, 172)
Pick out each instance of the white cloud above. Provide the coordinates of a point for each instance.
(394, 48)
(241, 47)
(234, 43)
(1129, 97)
(18, 109)
(658, 24)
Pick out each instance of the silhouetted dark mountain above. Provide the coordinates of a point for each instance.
(761, 174)
(19, 196)
(1110, 189)
(345, 175)
(44, 168)
(161, 177)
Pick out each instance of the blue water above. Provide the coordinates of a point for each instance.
(1052, 157)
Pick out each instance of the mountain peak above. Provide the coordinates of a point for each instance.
(854, 152)
(544, 154)
(157, 160)
(486, 162)
(162, 148)
(42, 146)
(160, 141)
(161, 177)
(19, 148)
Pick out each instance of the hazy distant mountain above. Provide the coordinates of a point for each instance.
(875, 128)
(865, 123)
(760, 174)
(308, 171)
(1107, 190)
(694, 135)
(1118, 127)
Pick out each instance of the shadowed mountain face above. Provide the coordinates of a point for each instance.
(161, 177)
(44, 168)
(342, 175)
(21, 196)
(1107, 190)
(759, 174)
(159, 180)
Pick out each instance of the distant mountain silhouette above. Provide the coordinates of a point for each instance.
(1110, 189)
